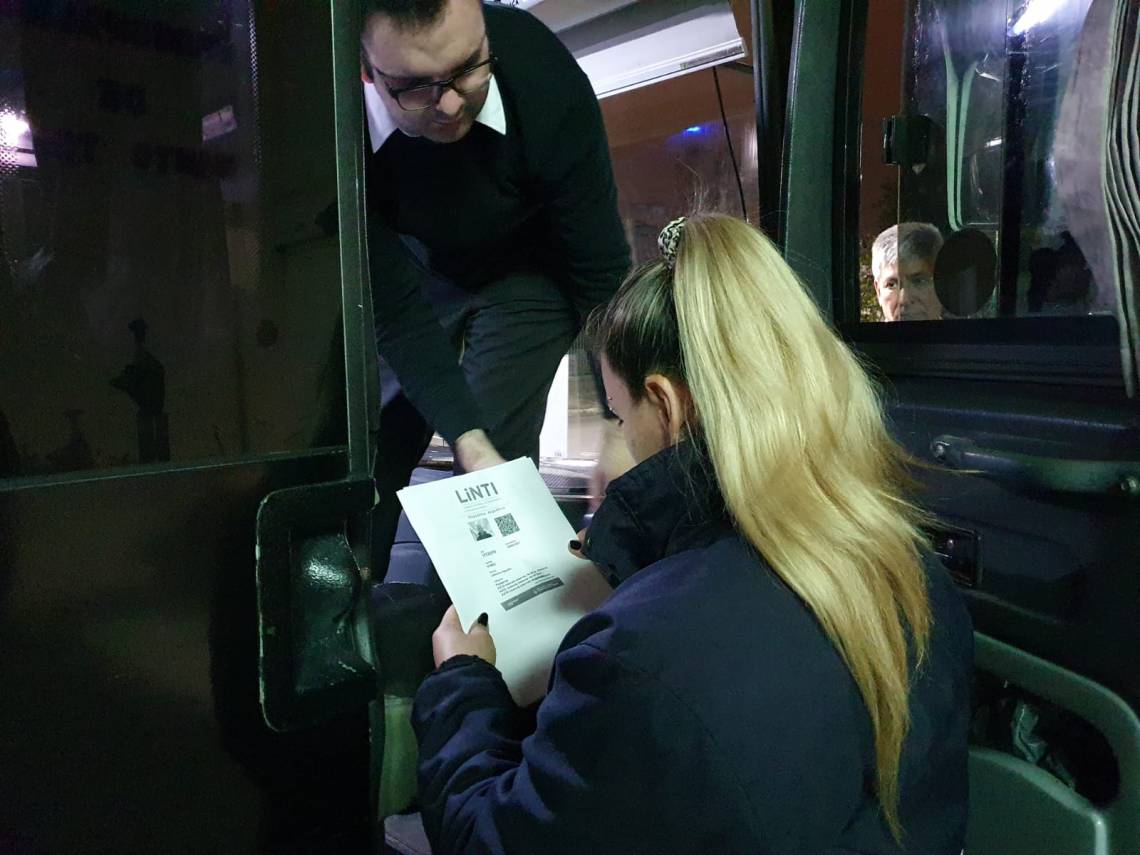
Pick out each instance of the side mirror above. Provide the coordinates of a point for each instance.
(965, 272)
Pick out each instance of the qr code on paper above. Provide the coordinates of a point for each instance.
(506, 524)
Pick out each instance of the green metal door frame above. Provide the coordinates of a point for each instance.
(809, 147)
(348, 123)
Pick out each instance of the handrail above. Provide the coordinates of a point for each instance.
(348, 124)
(1040, 474)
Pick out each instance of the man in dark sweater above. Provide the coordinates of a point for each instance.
(492, 228)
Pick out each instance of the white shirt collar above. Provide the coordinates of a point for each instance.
(381, 126)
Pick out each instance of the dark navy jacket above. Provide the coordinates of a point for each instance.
(700, 709)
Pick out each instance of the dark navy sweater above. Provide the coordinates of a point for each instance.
(540, 198)
(701, 709)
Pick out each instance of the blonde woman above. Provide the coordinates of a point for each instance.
(781, 667)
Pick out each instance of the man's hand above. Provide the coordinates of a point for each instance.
(473, 450)
(450, 640)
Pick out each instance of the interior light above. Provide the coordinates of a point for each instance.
(641, 44)
(12, 127)
(694, 129)
(1036, 12)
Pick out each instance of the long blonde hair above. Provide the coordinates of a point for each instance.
(795, 433)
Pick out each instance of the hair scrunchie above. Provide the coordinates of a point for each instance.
(669, 239)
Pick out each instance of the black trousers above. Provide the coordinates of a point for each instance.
(509, 338)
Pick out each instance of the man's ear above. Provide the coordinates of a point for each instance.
(672, 402)
(365, 71)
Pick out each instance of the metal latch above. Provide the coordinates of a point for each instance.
(907, 140)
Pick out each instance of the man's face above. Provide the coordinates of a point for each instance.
(408, 57)
(906, 291)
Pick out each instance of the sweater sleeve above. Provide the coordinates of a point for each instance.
(410, 338)
(615, 764)
(577, 184)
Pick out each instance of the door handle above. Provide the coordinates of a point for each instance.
(1033, 473)
(312, 605)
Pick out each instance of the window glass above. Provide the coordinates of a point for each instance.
(673, 151)
(167, 291)
(967, 204)
(670, 155)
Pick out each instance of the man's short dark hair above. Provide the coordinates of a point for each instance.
(406, 14)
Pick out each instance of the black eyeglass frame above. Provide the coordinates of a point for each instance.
(440, 86)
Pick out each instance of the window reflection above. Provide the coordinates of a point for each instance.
(670, 155)
(976, 135)
(164, 292)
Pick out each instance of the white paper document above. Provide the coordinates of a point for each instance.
(499, 543)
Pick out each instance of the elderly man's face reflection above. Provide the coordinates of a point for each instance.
(905, 290)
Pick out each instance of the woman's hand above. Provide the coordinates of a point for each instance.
(450, 640)
(575, 546)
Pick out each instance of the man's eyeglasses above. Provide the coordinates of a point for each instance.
(425, 95)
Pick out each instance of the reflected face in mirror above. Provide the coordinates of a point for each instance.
(905, 291)
(395, 58)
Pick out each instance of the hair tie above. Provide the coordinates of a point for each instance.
(669, 239)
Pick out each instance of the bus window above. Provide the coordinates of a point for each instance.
(966, 208)
(671, 154)
(672, 151)
(684, 142)
(168, 293)
(675, 84)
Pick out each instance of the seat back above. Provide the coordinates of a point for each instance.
(1018, 808)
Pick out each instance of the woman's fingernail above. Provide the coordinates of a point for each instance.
(482, 619)
(575, 544)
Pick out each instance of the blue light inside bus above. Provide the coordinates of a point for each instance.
(694, 129)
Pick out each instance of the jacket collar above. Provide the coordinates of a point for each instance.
(664, 505)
